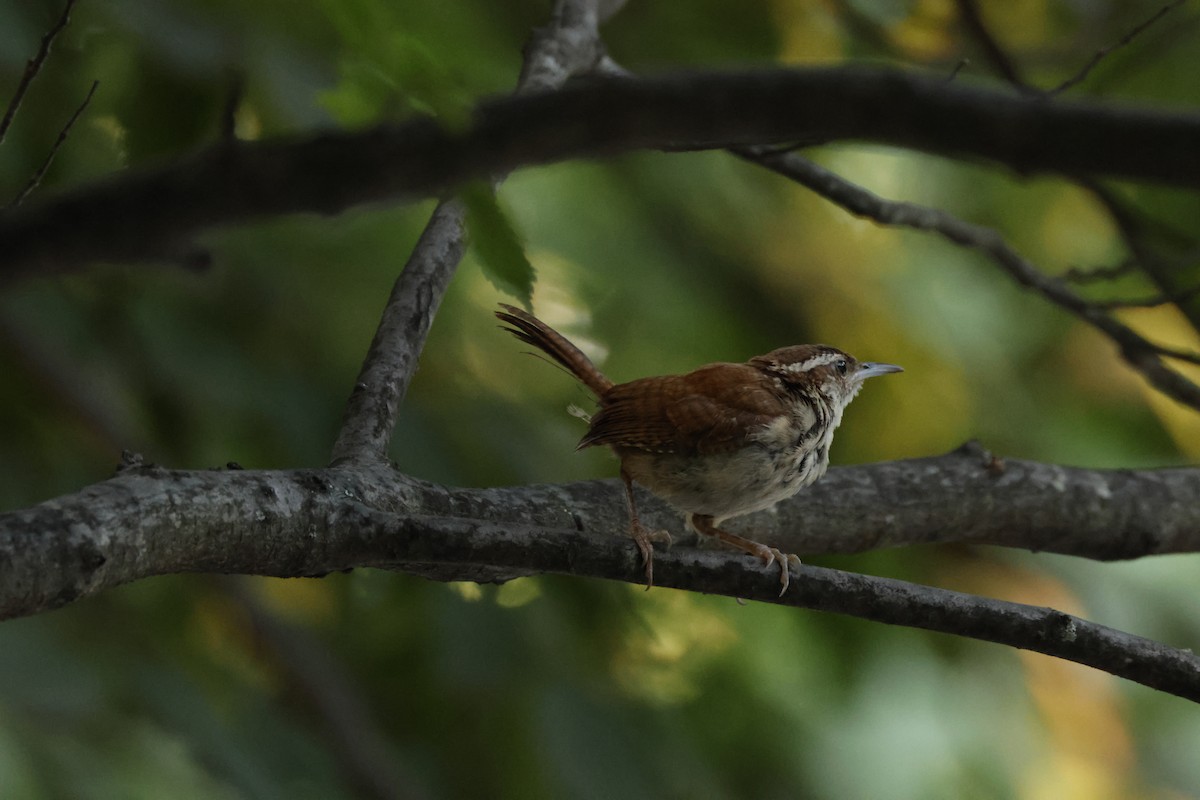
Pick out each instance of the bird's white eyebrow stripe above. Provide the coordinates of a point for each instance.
(819, 360)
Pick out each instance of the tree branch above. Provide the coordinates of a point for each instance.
(1143, 355)
(1039, 629)
(151, 521)
(1140, 353)
(370, 415)
(569, 44)
(1165, 272)
(144, 214)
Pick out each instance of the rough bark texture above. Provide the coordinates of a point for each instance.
(150, 521)
(370, 416)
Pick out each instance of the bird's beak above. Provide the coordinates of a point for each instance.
(870, 370)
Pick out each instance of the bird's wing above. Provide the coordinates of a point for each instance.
(706, 411)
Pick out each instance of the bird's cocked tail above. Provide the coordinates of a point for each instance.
(531, 330)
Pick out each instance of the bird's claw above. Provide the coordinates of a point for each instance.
(661, 536)
(772, 555)
(644, 539)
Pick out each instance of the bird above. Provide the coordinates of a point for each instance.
(723, 440)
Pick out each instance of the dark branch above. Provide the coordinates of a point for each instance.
(150, 521)
(144, 214)
(1178, 353)
(1142, 354)
(33, 67)
(570, 44)
(1164, 271)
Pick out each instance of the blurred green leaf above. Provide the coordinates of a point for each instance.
(388, 72)
(495, 240)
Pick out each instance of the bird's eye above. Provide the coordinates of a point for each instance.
(840, 365)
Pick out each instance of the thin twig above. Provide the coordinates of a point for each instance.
(1141, 353)
(1179, 354)
(33, 67)
(1153, 301)
(995, 53)
(962, 64)
(1162, 270)
(1148, 260)
(1085, 275)
(1104, 52)
(37, 177)
(867, 29)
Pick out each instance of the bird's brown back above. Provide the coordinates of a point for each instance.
(709, 410)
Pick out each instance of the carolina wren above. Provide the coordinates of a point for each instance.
(720, 441)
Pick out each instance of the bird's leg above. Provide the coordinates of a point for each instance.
(642, 537)
(703, 523)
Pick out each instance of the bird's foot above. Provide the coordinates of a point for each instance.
(705, 525)
(773, 555)
(644, 538)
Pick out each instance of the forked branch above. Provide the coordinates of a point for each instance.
(568, 45)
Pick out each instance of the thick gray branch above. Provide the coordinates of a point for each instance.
(150, 521)
(151, 213)
(370, 415)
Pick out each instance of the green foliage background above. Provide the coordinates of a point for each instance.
(553, 687)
